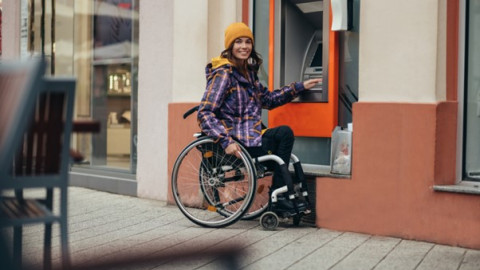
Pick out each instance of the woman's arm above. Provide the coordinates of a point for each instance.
(212, 100)
(275, 98)
(309, 84)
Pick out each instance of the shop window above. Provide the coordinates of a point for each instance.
(471, 149)
(260, 31)
(113, 83)
(97, 42)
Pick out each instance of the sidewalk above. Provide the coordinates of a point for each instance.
(104, 225)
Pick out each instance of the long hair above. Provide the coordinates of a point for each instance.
(253, 63)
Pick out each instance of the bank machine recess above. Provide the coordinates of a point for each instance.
(304, 49)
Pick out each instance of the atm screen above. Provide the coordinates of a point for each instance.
(314, 70)
(317, 58)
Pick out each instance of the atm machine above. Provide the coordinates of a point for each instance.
(312, 68)
(305, 47)
(301, 46)
(302, 55)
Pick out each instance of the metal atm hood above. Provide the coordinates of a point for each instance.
(302, 46)
(312, 10)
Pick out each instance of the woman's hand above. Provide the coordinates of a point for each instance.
(311, 83)
(233, 149)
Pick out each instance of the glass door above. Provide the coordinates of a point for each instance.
(472, 94)
(113, 67)
(97, 42)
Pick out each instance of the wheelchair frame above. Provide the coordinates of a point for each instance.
(208, 203)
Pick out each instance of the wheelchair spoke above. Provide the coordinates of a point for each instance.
(211, 188)
(234, 201)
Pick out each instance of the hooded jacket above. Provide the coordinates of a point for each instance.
(231, 106)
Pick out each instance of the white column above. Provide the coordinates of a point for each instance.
(176, 37)
(156, 46)
(402, 51)
(190, 49)
(221, 14)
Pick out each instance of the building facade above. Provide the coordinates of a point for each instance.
(403, 73)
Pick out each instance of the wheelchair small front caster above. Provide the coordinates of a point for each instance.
(269, 221)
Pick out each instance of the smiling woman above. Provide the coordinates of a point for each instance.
(242, 47)
(239, 48)
(231, 108)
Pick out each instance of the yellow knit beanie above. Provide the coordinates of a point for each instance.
(236, 30)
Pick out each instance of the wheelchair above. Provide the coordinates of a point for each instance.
(213, 189)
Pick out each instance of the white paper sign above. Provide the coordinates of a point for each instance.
(340, 15)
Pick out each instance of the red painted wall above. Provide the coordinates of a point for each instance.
(180, 134)
(397, 150)
(400, 151)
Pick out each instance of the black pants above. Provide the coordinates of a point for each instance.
(278, 141)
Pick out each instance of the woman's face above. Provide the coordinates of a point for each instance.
(242, 48)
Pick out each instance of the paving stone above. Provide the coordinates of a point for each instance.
(294, 252)
(471, 261)
(108, 227)
(273, 243)
(442, 258)
(368, 254)
(332, 252)
(406, 255)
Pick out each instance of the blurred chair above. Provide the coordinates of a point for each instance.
(39, 159)
(18, 81)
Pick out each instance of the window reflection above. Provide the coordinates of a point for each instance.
(113, 83)
(113, 29)
(94, 40)
(472, 94)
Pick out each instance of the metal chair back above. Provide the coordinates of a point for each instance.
(38, 157)
(19, 83)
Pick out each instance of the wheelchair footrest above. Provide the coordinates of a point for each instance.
(286, 208)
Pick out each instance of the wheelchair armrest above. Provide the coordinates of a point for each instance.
(192, 110)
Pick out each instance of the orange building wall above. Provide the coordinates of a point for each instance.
(399, 152)
(180, 134)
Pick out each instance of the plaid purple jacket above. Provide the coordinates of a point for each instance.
(232, 106)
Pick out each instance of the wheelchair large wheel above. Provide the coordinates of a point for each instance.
(259, 204)
(261, 200)
(211, 188)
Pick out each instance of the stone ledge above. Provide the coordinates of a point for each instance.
(320, 171)
(465, 187)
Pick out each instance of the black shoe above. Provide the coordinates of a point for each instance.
(284, 205)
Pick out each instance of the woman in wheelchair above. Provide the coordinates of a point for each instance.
(231, 107)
